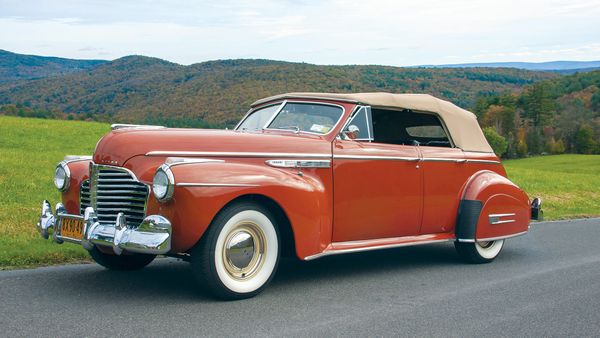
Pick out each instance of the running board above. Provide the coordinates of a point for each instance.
(338, 248)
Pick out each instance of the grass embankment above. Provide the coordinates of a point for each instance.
(30, 149)
(29, 152)
(569, 185)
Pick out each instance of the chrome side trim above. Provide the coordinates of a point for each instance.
(377, 247)
(412, 159)
(502, 215)
(117, 126)
(368, 157)
(173, 161)
(299, 163)
(189, 184)
(457, 160)
(441, 159)
(496, 218)
(76, 158)
(503, 221)
(484, 161)
(234, 154)
(501, 237)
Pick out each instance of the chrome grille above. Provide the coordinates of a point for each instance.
(84, 196)
(112, 190)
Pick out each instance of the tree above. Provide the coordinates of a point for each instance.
(496, 141)
(555, 147)
(584, 140)
(595, 101)
(521, 145)
(500, 117)
(538, 104)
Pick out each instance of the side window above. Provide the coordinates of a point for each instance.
(362, 120)
(407, 127)
(258, 118)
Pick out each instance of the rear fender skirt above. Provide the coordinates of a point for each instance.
(466, 223)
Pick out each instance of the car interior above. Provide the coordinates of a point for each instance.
(408, 128)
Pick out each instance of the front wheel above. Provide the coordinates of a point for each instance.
(124, 262)
(479, 252)
(238, 255)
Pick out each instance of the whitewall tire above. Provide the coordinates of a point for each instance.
(479, 252)
(238, 255)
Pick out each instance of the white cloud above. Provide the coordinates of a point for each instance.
(325, 32)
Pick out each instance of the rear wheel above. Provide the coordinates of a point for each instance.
(479, 252)
(238, 255)
(124, 262)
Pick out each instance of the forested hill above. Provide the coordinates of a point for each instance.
(554, 116)
(14, 67)
(144, 89)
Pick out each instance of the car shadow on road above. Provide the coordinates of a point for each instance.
(168, 280)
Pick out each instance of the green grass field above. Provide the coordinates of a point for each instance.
(29, 152)
(569, 185)
(30, 149)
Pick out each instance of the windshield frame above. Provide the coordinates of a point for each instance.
(280, 108)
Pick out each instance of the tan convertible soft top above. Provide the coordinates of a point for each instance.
(461, 124)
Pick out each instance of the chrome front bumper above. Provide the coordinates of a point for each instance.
(152, 236)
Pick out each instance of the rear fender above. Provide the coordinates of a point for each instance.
(491, 207)
(203, 189)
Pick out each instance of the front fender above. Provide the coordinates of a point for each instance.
(491, 207)
(203, 189)
(79, 172)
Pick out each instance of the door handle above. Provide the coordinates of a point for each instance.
(461, 161)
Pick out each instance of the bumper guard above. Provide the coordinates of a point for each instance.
(537, 214)
(152, 236)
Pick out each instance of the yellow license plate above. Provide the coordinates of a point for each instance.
(72, 228)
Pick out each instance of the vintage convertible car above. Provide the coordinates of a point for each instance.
(302, 174)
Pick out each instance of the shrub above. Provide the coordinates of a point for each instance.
(584, 140)
(496, 141)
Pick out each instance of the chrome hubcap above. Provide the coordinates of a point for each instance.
(485, 245)
(244, 250)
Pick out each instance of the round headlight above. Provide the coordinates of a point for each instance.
(163, 184)
(62, 176)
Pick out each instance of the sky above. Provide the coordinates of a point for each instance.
(385, 32)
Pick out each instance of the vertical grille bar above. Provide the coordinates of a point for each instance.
(84, 196)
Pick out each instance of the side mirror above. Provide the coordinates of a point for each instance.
(351, 133)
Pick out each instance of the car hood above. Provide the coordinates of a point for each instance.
(120, 145)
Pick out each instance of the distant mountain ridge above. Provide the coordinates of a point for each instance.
(558, 66)
(150, 90)
(15, 67)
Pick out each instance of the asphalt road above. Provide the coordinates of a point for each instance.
(546, 283)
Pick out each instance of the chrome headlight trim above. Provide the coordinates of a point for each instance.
(64, 168)
(165, 193)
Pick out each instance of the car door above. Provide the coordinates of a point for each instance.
(378, 185)
(445, 170)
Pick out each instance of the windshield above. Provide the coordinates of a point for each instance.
(306, 117)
